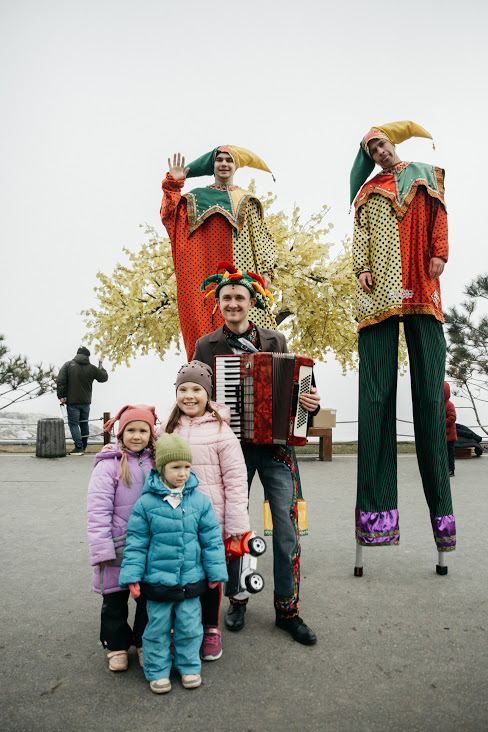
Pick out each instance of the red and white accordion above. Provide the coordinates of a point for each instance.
(262, 391)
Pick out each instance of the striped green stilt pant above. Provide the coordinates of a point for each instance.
(376, 507)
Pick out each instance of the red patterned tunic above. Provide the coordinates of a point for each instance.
(200, 240)
(400, 224)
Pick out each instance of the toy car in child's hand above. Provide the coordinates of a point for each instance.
(241, 565)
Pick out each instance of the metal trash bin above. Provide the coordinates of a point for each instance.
(51, 441)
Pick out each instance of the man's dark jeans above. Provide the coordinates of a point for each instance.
(78, 424)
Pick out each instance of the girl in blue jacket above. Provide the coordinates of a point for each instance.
(174, 551)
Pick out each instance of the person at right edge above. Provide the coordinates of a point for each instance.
(451, 432)
(399, 251)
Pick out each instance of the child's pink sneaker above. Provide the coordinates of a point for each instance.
(211, 648)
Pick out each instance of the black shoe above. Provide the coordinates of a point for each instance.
(77, 451)
(299, 631)
(451, 473)
(234, 617)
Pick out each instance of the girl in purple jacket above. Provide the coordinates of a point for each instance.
(116, 484)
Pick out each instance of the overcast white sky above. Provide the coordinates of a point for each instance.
(96, 95)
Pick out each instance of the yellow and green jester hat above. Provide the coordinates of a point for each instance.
(395, 132)
(204, 165)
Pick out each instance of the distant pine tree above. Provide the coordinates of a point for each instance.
(20, 381)
(467, 351)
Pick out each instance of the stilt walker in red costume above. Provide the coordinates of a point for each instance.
(211, 224)
(399, 251)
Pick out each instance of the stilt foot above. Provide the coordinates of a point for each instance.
(358, 568)
(441, 569)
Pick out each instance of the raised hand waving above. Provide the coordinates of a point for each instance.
(178, 170)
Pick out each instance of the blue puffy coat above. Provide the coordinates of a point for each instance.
(173, 551)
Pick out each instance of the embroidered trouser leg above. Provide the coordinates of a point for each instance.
(427, 355)
(278, 480)
(376, 506)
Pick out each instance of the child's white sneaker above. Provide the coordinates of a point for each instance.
(191, 681)
(118, 660)
(160, 686)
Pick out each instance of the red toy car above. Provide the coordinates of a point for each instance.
(241, 565)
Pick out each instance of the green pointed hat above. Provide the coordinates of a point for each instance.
(204, 165)
(395, 132)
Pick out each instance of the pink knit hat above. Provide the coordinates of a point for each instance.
(130, 413)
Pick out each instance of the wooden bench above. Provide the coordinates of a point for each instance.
(462, 452)
(322, 425)
(325, 441)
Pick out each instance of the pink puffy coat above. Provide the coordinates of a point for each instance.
(219, 465)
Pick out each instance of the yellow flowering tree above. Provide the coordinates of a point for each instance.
(137, 311)
(314, 294)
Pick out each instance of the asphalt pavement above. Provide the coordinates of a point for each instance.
(399, 648)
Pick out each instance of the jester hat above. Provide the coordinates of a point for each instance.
(232, 276)
(204, 165)
(395, 132)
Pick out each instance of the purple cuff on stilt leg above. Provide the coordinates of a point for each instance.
(377, 529)
(444, 528)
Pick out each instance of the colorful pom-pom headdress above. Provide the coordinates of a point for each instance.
(395, 132)
(232, 276)
(204, 165)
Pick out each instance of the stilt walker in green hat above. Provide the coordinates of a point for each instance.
(400, 248)
(220, 222)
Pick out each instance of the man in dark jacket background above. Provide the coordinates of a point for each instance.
(75, 380)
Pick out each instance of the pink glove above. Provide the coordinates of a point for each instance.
(135, 590)
(213, 585)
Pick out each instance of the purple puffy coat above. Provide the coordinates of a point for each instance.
(109, 506)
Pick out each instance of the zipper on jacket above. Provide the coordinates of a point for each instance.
(142, 469)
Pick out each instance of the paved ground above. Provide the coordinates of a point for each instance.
(400, 648)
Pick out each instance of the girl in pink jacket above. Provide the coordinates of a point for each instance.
(115, 485)
(219, 465)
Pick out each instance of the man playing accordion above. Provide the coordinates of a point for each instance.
(236, 293)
